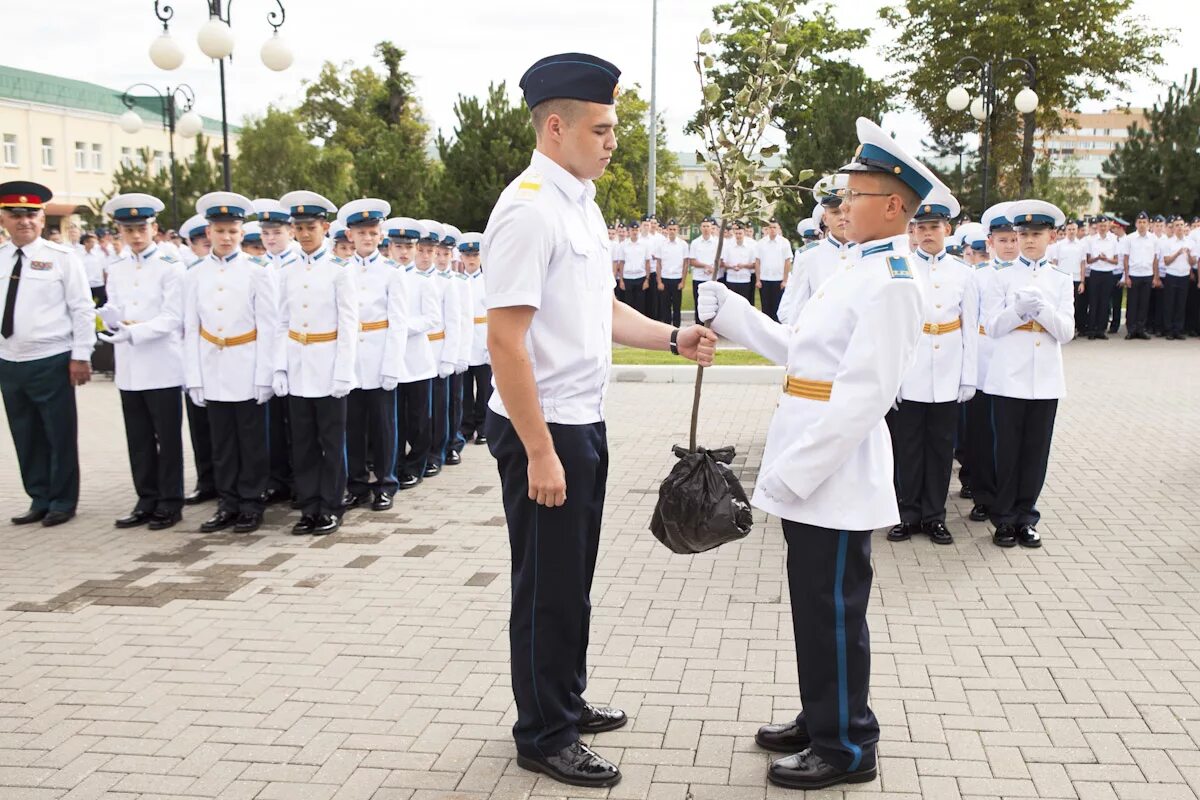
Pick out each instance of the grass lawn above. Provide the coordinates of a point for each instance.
(632, 355)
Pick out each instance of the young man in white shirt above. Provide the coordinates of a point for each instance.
(633, 270)
(672, 257)
(702, 256)
(741, 267)
(1102, 258)
(1175, 261)
(1140, 274)
(1070, 254)
(773, 255)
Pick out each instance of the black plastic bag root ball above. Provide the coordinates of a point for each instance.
(701, 503)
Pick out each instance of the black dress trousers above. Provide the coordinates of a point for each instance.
(829, 582)
(1024, 429)
(553, 560)
(651, 307)
(635, 295)
(39, 402)
(670, 301)
(414, 434)
(1081, 310)
(279, 430)
(154, 435)
(1175, 293)
(1191, 312)
(319, 452)
(371, 437)
(455, 439)
(440, 421)
(477, 390)
(1137, 315)
(923, 452)
(1100, 288)
(241, 464)
(1112, 312)
(201, 436)
(771, 293)
(981, 448)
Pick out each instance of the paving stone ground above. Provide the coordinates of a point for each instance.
(374, 664)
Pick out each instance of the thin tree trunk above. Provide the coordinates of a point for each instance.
(700, 369)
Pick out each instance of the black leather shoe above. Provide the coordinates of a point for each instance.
(807, 770)
(383, 502)
(1102, 336)
(134, 519)
(200, 496)
(1129, 336)
(270, 497)
(352, 500)
(453, 459)
(576, 765)
(409, 481)
(30, 516)
(165, 519)
(1027, 536)
(936, 530)
(966, 493)
(901, 533)
(979, 513)
(787, 737)
(247, 523)
(1144, 336)
(480, 440)
(325, 524)
(598, 719)
(432, 469)
(304, 526)
(218, 522)
(53, 518)
(1005, 536)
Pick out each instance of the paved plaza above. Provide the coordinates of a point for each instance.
(374, 663)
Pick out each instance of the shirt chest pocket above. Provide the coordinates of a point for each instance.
(43, 284)
(591, 264)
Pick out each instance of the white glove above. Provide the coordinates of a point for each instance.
(121, 334)
(460, 367)
(197, 397)
(712, 296)
(445, 369)
(341, 388)
(965, 393)
(770, 484)
(1024, 304)
(111, 316)
(279, 385)
(388, 384)
(265, 393)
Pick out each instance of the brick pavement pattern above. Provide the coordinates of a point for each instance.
(373, 664)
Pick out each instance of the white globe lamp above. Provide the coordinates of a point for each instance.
(957, 98)
(215, 39)
(166, 53)
(130, 121)
(276, 54)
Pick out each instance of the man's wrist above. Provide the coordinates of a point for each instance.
(674, 343)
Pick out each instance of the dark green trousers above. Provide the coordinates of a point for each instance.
(40, 403)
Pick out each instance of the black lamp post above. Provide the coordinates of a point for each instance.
(169, 106)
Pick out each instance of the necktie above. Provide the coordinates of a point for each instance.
(10, 300)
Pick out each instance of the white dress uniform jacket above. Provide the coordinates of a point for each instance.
(479, 329)
(147, 288)
(382, 319)
(945, 360)
(230, 297)
(813, 265)
(462, 293)
(54, 313)
(1027, 359)
(317, 297)
(984, 274)
(858, 335)
(445, 348)
(547, 248)
(424, 318)
(289, 256)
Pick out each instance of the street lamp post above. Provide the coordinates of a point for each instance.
(653, 165)
(958, 98)
(187, 123)
(216, 42)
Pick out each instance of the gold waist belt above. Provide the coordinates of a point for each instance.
(1032, 325)
(480, 320)
(809, 390)
(374, 326)
(229, 341)
(312, 338)
(939, 328)
(437, 337)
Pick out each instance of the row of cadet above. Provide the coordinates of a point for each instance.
(330, 357)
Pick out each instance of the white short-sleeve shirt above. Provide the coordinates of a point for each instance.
(672, 255)
(773, 254)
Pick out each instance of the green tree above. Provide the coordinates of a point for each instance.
(617, 196)
(1081, 49)
(633, 148)
(1157, 168)
(687, 206)
(1058, 182)
(491, 146)
(275, 157)
(194, 176)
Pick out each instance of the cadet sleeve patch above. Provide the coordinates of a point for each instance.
(529, 185)
(898, 267)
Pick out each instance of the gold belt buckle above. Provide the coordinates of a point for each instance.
(935, 328)
(302, 338)
(219, 341)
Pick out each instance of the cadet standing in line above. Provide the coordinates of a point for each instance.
(827, 467)
(144, 317)
(551, 321)
(317, 341)
(445, 347)
(633, 272)
(1139, 259)
(1070, 253)
(339, 239)
(1102, 252)
(47, 331)
(773, 264)
(1028, 311)
(382, 292)
(477, 382)
(448, 254)
(1175, 261)
(817, 263)
(195, 233)
(672, 258)
(974, 254)
(252, 243)
(702, 256)
(230, 311)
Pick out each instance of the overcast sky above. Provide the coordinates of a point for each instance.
(455, 47)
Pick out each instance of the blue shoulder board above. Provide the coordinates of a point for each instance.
(341, 262)
(898, 267)
(168, 258)
(808, 247)
(441, 274)
(262, 262)
(390, 262)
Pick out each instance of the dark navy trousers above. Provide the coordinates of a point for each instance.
(829, 579)
(1023, 429)
(980, 448)
(371, 436)
(553, 560)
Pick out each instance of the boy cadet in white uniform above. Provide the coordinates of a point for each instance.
(230, 313)
(827, 467)
(424, 268)
(702, 256)
(445, 347)
(339, 240)
(317, 341)
(924, 421)
(448, 257)
(383, 335)
(672, 257)
(773, 254)
(1028, 312)
(195, 233)
(816, 263)
(477, 382)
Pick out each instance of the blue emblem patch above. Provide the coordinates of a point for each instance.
(898, 267)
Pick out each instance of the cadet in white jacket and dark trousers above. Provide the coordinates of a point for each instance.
(477, 383)
(446, 259)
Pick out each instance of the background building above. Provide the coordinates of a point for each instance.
(1089, 139)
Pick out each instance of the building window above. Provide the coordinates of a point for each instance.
(80, 156)
(126, 157)
(97, 158)
(48, 153)
(10, 150)
(160, 161)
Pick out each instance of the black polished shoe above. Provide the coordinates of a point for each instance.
(305, 525)
(901, 533)
(409, 481)
(270, 497)
(937, 532)
(966, 493)
(453, 459)
(787, 737)
(247, 523)
(432, 469)
(325, 524)
(1102, 336)
(134, 519)
(979, 513)
(480, 439)
(29, 517)
(598, 719)
(165, 519)
(1129, 336)
(807, 770)
(1005, 536)
(53, 518)
(1144, 336)
(218, 522)
(575, 765)
(199, 496)
(352, 500)
(382, 502)
(1027, 536)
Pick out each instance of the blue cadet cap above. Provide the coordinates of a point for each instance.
(195, 226)
(877, 152)
(470, 243)
(938, 204)
(133, 207)
(337, 232)
(575, 76)
(307, 205)
(433, 231)
(1143, 215)
(997, 218)
(224, 206)
(270, 210)
(367, 210)
(1035, 215)
(710, 220)
(1159, 218)
(450, 235)
(403, 228)
(252, 232)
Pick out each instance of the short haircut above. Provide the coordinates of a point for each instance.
(567, 109)
(894, 185)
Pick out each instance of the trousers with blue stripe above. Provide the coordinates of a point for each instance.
(553, 559)
(829, 579)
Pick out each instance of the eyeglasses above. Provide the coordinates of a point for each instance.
(850, 195)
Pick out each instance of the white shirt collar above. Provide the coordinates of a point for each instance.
(576, 190)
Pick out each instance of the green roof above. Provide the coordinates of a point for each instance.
(37, 87)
